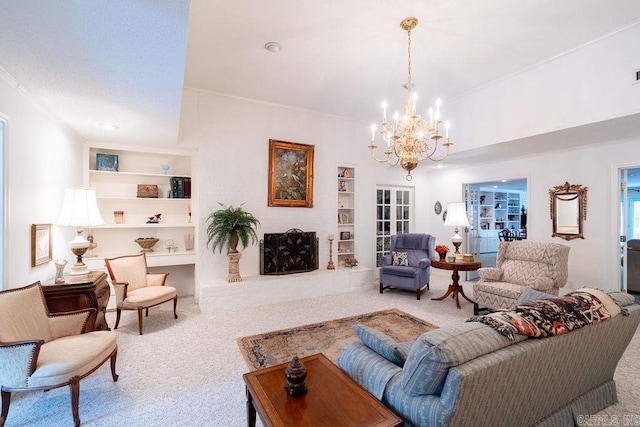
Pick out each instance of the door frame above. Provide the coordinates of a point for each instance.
(620, 212)
(412, 215)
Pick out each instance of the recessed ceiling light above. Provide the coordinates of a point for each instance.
(439, 166)
(109, 126)
(273, 47)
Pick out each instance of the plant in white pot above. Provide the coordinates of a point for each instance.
(226, 228)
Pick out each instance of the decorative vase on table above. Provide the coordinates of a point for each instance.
(443, 256)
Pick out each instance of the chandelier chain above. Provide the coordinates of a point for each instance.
(409, 85)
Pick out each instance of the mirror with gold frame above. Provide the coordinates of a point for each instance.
(568, 206)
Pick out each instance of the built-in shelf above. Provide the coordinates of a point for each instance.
(113, 174)
(495, 210)
(154, 259)
(143, 199)
(117, 191)
(346, 198)
(161, 225)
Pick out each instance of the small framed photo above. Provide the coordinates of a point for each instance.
(345, 235)
(107, 162)
(41, 244)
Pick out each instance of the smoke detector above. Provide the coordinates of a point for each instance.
(273, 47)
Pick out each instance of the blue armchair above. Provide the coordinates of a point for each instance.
(408, 265)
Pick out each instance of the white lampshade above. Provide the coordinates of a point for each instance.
(456, 215)
(80, 208)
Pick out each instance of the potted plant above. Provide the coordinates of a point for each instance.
(226, 228)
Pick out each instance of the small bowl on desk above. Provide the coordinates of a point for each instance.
(146, 243)
(467, 258)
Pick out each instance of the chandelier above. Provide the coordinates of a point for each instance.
(410, 138)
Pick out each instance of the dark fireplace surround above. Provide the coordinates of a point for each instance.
(294, 251)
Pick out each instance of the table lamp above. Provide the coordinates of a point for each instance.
(456, 217)
(79, 210)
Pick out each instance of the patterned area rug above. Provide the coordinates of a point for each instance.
(329, 337)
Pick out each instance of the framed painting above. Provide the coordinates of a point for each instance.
(41, 244)
(290, 174)
(107, 162)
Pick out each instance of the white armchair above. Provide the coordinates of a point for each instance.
(136, 288)
(39, 351)
(521, 264)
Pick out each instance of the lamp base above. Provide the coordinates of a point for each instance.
(78, 269)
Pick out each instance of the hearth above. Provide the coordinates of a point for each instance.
(294, 251)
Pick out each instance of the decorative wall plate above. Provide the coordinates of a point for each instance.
(437, 208)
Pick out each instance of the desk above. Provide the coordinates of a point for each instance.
(80, 292)
(333, 399)
(455, 288)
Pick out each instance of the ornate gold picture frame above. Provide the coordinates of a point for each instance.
(290, 174)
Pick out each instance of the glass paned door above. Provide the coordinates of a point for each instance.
(393, 216)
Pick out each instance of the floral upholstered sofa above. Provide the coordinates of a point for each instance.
(470, 374)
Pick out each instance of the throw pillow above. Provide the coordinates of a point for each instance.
(540, 283)
(379, 342)
(531, 294)
(605, 299)
(434, 352)
(400, 258)
(622, 298)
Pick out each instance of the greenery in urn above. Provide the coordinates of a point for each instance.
(230, 226)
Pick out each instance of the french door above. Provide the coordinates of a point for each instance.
(629, 227)
(394, 215)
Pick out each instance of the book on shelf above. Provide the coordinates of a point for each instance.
(180, 187)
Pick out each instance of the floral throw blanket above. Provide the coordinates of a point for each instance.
(549, 317)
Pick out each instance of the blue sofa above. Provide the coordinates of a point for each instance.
(470, 375)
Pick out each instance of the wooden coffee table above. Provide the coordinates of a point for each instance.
(455, 287)
(333, 398)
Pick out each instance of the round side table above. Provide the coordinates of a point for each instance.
(455, 287)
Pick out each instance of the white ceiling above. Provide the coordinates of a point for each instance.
(126, 61)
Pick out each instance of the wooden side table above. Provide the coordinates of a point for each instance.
(333, 399)
(455, 287)
(79, 292)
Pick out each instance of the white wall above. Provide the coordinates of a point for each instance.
(590, 84)
(43, 156)
(593, 261)
(233, 138)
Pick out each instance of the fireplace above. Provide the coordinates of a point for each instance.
(294, 251)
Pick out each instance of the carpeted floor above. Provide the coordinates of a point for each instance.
(329, 337)
(188, 372)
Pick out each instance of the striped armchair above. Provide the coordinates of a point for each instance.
(520, 265)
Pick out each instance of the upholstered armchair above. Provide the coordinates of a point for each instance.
(42, 351)
(521, 264)
(136, 288)
(408, 264)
